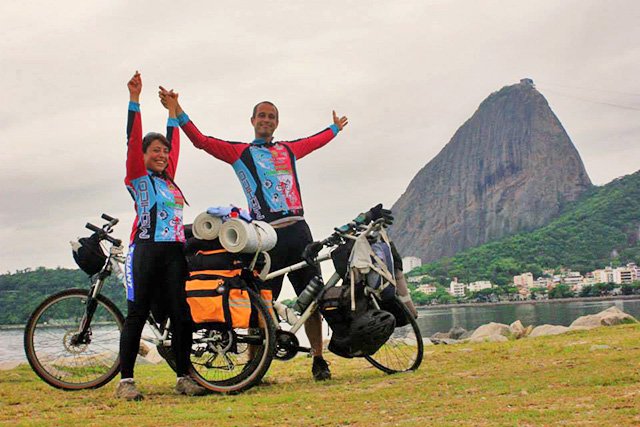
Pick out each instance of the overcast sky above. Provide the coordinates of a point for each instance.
(406, 73)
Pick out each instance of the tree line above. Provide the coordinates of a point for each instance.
(23, 291)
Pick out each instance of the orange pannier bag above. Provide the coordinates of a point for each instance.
(218, 296)
(267, 298)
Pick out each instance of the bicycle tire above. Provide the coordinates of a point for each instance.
(224, 365)
(403, 351)
(59, 362)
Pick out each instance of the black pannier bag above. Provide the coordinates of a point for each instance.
(356, 333)
(388, 302)
(340, 258)
(392, 261)
(89, 254)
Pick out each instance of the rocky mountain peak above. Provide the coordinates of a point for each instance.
(508, 168)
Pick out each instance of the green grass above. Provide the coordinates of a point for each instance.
(558, 380)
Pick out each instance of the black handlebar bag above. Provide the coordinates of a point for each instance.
(88, 254)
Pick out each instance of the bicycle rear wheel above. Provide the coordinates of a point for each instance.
(231, 360)
(57, 355)
(404, 350)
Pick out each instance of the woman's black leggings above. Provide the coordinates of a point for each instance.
(156, 274)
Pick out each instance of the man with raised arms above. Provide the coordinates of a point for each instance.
(267, 173)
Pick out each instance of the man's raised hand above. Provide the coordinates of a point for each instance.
(164, 95)
(340, 122)
(169, 99)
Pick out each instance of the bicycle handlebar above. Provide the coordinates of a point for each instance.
(339, 236)
(351, 229)
(103, 233)
(93, 228)
(112, 221)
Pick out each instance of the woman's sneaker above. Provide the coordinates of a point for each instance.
(320, 369)
(186, 385)
(126, 389)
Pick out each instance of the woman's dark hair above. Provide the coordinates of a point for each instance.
(152, 136)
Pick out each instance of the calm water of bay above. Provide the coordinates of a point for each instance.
(442, 319)
(439, 319)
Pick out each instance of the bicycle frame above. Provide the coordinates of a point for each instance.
(333, 280)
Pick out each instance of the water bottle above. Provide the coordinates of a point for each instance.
(308, 294)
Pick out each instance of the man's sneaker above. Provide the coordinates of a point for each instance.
(186, 385)
(320, 369)
(126, 389)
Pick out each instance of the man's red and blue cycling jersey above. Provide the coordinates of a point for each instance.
(158, 200)
(267, 171)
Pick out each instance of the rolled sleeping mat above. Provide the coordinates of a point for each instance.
(206, 227)
(237, 235)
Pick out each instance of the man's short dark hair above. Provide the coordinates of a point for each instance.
(152, 136)
(255, 109)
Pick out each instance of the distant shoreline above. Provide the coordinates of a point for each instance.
(546, 301)
(9, 327)
(476, 304)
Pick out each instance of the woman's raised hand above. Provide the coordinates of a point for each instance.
(135, 87)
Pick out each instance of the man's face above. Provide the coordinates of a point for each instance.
(265, 121)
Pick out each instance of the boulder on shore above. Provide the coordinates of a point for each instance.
(457, 332)
(518, 330)
(9, 364)
(440, 336)
(488, 330)
(542, 330)
(609, 317)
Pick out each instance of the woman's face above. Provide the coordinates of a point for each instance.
(156, 156)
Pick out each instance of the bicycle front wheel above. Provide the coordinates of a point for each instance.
(231, 360)
(59, 355)
(404, 350)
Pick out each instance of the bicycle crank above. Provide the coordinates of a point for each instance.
(287, 345)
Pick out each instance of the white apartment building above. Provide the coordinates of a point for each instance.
(456, 288)
(624, 275)
(427, 289)
(603, 276)
(409, 263)
(479, 285)
(572, 278)
(525, 280)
